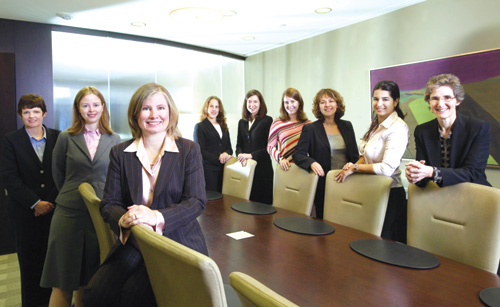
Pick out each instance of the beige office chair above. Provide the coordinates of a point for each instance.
(105, 236)
(460, 222)
(179, 276)
(295, 189)
(252, 293)
(237, 180)
(359, 202)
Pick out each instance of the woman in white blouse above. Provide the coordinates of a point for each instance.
(381, 151)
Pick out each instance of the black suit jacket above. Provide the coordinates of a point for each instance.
(313, 146)
(211, 144)
(254, 141)
(26, 181)
(470, 146)
(179, 191)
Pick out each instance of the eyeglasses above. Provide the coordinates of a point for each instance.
(444, 98)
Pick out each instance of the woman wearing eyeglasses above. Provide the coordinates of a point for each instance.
(452, 148)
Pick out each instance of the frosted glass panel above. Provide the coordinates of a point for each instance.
(118, 67)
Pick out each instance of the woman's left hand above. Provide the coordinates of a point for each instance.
(285, 164)
(243, 157)
(140, 214)
(346, 171)
(224, 157)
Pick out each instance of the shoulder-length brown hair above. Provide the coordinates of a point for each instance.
(335, 96)
(221, 117)
(262, 109)
(78, 122)
(137, 101)
(294, 94)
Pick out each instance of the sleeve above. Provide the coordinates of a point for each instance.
(239, 139)
(353, 150)
(112, 205)
(272, 141)
(300, 155)
(394, 149)
(59, 160)
(193, 199)
(261, 153)
(13, 182)
(228, 149)
(201, 138)
(420, 153)
(476, 158)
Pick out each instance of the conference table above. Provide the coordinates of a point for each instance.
(324, 270)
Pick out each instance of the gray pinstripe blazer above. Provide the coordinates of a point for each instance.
(179, 192)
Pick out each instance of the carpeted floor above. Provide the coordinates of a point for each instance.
(10, 284)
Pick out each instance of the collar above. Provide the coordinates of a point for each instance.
(390, 120)
(138, 145)
(87, 131)
(32, 137)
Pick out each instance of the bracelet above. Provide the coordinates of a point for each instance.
(437, 177)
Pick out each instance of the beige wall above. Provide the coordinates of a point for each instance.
(341, 59)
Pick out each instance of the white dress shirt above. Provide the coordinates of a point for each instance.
(385, 148)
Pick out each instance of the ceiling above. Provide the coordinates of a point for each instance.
(271, 23)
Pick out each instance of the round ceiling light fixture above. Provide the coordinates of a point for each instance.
(64, 15)
(138, 24)
(323, 10)
(248, 38)
(196, 15)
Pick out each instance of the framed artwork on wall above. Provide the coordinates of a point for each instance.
(479, 73)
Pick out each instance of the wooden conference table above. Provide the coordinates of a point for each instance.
(324, 271)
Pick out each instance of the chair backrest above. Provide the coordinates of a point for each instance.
(295, 189)
(252, 293)
(359, 202)
(460, 222)
(105, 236)
(179, 276)
(237, 180)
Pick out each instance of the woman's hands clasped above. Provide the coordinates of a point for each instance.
(138, 214)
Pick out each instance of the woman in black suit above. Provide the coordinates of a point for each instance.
(253, 132)
(452, 148)
(27, 176)
(326, 144)
(213, 136)
(155, 179)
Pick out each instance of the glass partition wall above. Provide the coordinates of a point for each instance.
(118, 67)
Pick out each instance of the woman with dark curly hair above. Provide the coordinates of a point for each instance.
(326, 144)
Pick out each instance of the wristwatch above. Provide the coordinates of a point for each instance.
(437, 177)
(356, 168)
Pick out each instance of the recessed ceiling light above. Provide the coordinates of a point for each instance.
(138, 24)
(323, 10)
(249, 38)
(229, 13)
(196, 15)
(65, 16)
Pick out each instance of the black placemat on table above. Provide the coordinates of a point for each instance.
(395, 253)
(304, 225)
(490, 296)
(253, 208)
(213, 195)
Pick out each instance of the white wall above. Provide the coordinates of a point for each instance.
(341, 59)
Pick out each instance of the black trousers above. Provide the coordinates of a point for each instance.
(396, 216)
(122, 280)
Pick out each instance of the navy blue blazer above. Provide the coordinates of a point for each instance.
(313, 146)
(179, 192)
(470, 147)
(211, 144)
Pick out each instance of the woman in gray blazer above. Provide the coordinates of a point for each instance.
(81, 154)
